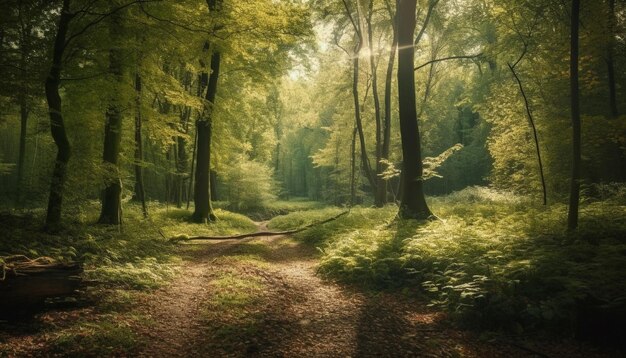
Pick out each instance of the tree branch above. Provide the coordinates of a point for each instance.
(259, 233)
(101, 18)
(431, 7)
(446, 59)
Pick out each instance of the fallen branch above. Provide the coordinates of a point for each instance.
(258, 233)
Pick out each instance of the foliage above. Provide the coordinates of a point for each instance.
(248, 185)
(137, 255)
(495, 261)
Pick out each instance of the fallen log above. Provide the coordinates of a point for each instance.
(25, 282)
(258, 233)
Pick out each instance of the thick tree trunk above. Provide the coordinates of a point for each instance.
(57, 125)
(572, 215)
(140, 192)
(112, 194)
(412, 203)
(202, 194)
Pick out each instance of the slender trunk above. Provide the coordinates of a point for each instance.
(140, 193)
(531, 121)
(572, 215)
(193, 162)
(413, 203)
(380, 197)
(388, 82)
(112, 194)
(181, 169)
(353, 168)
(22, 154)
(366, 167)
(359, 122)
(610, 61)
(57, 125)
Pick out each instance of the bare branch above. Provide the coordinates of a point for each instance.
(446, 59)
(431, 8)
(101, 17)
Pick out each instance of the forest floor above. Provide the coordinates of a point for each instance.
(257, 297)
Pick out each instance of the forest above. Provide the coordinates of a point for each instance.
(312, 178)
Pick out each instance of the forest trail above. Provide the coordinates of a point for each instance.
(261, 297)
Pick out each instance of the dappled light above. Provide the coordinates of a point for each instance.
(312, 178)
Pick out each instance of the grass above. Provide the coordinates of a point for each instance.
(270, 209)
(136, 255)
(96, 339)
(494, 261)
(126, 262)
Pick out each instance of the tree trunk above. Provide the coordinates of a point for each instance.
(353, 168)
(202, 194)
(57, 125)
(140, 193)
(22, 153)
(388, 81)
(572, 215)
(610, 61)
(112, 194)
(380, 196)
(412, 202)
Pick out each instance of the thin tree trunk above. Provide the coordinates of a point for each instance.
(388, 82)
(610, 61)
(193, 162)
(380, 196)
(353, 168)
(57, 125)
(535, 137)
(140, 193)
(355, 93)
(22, 153)
(112, 194)
(572, 215)
(412, 203)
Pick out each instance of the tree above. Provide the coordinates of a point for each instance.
(572, 214)
(57, 125)
(412, 202)
(111, 212)
(203, 209)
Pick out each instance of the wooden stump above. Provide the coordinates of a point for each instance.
(26, 283)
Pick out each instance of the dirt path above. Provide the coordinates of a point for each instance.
(256, 297)
(261, 297)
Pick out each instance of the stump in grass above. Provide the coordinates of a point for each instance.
(26, 283)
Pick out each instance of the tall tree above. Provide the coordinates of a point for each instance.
(112, 194)
(572, 214)
(380, 195)
(412, 202)
(358, 33)
(57, 125)
(140, 192)
(203, 210)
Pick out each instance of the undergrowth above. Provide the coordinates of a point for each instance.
(136, 254)
(494, 260)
